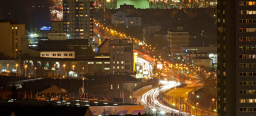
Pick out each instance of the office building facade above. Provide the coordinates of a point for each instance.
(121, 56)
(78, 19)
(236, 57)
(10, 38)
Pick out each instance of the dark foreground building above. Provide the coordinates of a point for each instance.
(44, 111)
(236, 57)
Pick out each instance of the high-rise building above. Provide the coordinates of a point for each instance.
(10, 38)
(236, 57)
(78, 19)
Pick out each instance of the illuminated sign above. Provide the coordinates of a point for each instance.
(139, 75)
(108, 0)
(135, 57)
(44, 28)
(145, 72)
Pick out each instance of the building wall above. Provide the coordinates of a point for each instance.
(129, 108)
(121, 56)
(57, 54)
(11, 38)
(104, 48)
(203, 62)
(57, 36)
(78, 19)
(118, 18)
(133, 21)
(228, 61)
(57, 27)
(177, 40)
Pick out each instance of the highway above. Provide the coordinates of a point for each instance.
(178, 99)
(150, 99)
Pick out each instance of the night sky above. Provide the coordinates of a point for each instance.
(24, 12)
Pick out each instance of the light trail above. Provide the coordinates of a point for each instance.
(153, 101)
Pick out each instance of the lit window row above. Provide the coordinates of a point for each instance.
(247, 56)
(252, 47)
(65, 54)
(106, 68)
(107, 62)
(248, 109)
(247, 83)
(247, 12)
(247, 3)
(117, 67)
(14, 27)
(247, 20)
(247, 91)
(247, 29)
(247, 100)
(247, 38)
(247, 65)
(98, 62)
(247, 74)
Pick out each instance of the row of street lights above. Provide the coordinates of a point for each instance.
(35, 68)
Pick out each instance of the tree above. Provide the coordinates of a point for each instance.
(210, 86)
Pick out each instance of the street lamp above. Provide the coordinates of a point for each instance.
(16, 68)
(83, 70)
(35, 72)
(26, 70)
(64, 65)
(162, 112)
(73, 68)
(154, 110)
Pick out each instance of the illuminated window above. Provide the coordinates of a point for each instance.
(81, 15)
(108, 0)
(76, 7)
(12, 27)
(106, 62)
(122, 62)
(81, 29)
(117, 62)
(16, 27)
(98, 62)
(90, 62)
(76, 15)
(131, 22)
(113, 67)
(117, 67)
(111, 87)
(122, 67)
(81, 7)
(106, 68)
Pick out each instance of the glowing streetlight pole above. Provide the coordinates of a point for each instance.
(16, 69)
(73, 67)
(26, 70)
(64, 65)
(35, 72)
(54, 70)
